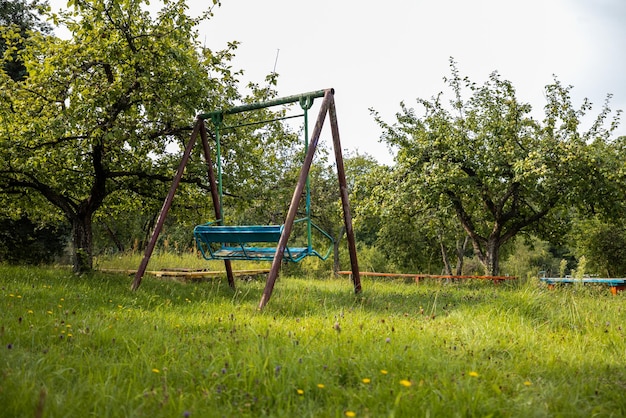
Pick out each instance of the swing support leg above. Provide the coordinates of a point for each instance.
(166, 207)
(326, 107)
(343, 189)
(198, 128)
(214, 194)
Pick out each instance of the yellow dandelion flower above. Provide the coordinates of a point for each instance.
(366, 380)
(405, 383)
(49, 312)
(69, 335)
(320, 385)
(350, 414)
(527, 383)
(155, 371)
(383, 371)
(30, 311)
(473, 374)
(300, 392)
(19, 296)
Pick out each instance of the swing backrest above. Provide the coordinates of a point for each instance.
(238, 234)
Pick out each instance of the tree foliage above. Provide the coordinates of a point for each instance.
(602, 243)
(90, 125)
(488, 161)
(23, 241)
(22, 18)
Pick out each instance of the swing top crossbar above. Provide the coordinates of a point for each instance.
(262, 105)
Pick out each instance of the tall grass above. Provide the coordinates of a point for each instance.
(88, 346)
(161, 260)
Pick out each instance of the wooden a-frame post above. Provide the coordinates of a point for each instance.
(327, 107)
(198, 128)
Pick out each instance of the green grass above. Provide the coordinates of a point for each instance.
(88, 346)
(165, 260)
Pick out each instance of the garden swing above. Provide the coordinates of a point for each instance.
(227, 242)
(217, 241)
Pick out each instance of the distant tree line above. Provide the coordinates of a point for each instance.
(92, 127)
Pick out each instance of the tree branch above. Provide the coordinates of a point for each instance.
(464, 218)
(65, 204)
(481, 186)
(535, 217)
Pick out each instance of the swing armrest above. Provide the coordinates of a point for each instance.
(331, 240)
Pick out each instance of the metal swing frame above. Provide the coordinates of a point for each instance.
(327, 108)
(234, 240)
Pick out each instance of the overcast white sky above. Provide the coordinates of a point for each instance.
(376, 54)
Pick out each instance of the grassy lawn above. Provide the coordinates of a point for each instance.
(88, 346)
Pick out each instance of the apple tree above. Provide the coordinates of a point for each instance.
(482, 156)
(99, 118)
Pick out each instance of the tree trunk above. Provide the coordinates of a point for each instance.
(488, 253)
(444, 255)
(82, 243)
(148, 227)
(460, 254)
(116, 240)
(492, 257)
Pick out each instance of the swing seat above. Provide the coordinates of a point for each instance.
(234, 243)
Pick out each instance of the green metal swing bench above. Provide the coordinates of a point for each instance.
(217, 241)
(234, 242)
